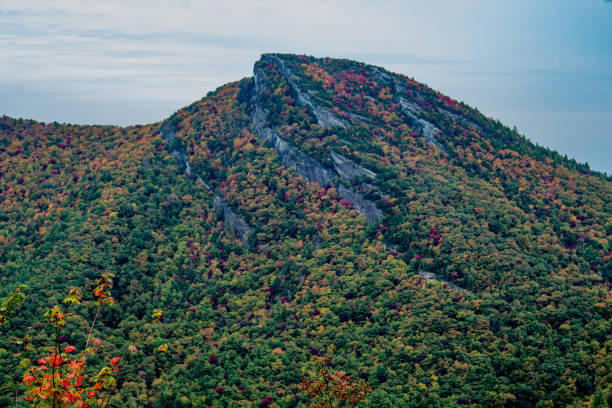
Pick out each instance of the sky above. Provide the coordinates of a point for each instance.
(544, 66)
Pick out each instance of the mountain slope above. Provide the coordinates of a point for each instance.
(448, 259)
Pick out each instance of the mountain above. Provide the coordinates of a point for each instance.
(449, 260)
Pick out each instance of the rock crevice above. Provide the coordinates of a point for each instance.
(181, 155)
(290, 156)
(428, 130)
(232, 219)
(325, 117)
(306, 166)
(348, 170)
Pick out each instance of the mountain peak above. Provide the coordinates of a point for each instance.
(322, 202)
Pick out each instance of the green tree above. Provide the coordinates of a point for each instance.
(599, 400)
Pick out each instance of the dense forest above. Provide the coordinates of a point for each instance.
(319, 204)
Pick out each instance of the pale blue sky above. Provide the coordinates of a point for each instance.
(542, 66)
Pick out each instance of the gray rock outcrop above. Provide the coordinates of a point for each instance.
(428, 130)
(180, 154)
(363, 206)
(290, 156)
(348, 170)
(382, 77)
(429, 276)
(410, 108)
(306, 166)
(233, 220)
(312, 170)
(325, 117)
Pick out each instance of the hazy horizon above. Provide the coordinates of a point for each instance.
(543, 67)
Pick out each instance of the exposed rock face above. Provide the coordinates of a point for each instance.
(235, 221)
(325, 117)
(348, 170)
(410, 108)
(313, 171)
(231, 218)
(382, 77)
(182, 159)
(428, 130)
(167, 133)
(291, 157)
(363, 206)
(432, 276)
(180, 154)
(308, 167)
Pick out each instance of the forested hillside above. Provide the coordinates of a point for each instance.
(449, 261)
